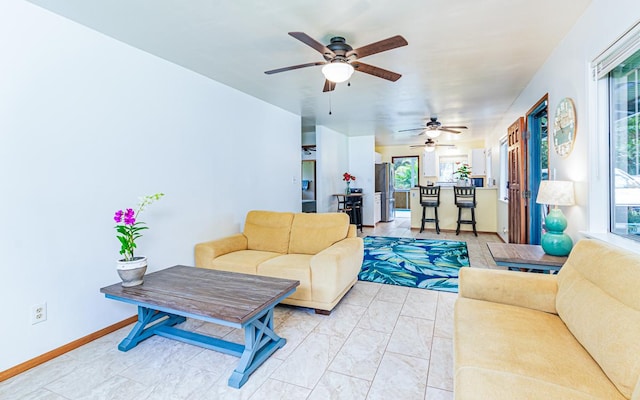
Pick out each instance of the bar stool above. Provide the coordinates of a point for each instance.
(430, 197)
(465, 197)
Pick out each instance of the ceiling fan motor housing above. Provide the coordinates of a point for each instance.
(434, 123)
(339, 47)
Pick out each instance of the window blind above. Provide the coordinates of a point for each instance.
(620, 50)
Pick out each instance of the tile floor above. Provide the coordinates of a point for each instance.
(380, 342)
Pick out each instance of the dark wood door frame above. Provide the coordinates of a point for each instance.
(534, 169)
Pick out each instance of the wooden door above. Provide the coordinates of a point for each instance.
(517, 183)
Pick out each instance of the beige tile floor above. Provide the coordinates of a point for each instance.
(380, 342)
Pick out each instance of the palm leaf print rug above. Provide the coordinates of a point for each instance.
(421, 263)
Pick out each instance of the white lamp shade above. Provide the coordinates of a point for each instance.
(429, 149)
(557, 193)
(337, 71)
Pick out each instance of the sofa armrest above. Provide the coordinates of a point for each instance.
(335, 267)
(522, 289)
(207, 251)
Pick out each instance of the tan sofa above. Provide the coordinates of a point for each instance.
(322, 251)
(575, 335)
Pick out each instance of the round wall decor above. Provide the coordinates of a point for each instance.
(564, 127)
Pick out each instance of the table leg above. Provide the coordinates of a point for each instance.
(141, 331)
(260, 342)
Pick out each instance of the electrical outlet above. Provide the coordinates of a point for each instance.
(38, 313)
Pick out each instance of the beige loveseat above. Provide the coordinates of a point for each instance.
(322, 251)
(575, 335)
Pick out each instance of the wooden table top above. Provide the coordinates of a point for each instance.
(227, 296)
(523, 254)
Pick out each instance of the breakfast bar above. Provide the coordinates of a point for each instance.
(486, 212)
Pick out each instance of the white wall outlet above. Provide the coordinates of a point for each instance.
(38, 313)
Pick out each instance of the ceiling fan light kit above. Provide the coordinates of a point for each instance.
(337, 71)
(341, 60)
(433, 133)
(429, 149)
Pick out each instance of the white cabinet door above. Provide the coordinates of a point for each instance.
(429, 166)
(377, 208)
(478, 162)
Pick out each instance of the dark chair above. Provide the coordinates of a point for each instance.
(465, 197)
(343, 204)
(355, 203)
(430, 197)
(352, 207)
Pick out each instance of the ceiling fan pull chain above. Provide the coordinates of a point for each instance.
(329, 103)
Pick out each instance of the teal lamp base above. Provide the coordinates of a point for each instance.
(555, 242)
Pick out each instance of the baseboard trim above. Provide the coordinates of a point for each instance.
(50, 355)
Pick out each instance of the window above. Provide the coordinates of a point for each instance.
(624, 105)
(504, 178)
(406, 172)
(448, 167)
(617, 72)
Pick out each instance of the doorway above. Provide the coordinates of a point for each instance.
(308, 186)
(538, 165)
(406, 176)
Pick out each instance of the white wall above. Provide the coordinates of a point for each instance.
(88, 124)
(362, 166)
(566, 74)
(331, 162)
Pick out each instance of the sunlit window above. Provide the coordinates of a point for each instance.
(406, 172)
(624, 103)
(448, 165)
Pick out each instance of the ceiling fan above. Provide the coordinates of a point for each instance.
(434, 128)
(341, 59)
(430, 145)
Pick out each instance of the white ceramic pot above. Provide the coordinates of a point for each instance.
(132, 272)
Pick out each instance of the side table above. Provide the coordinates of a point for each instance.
(524, 256)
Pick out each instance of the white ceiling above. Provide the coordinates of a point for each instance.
(466, 62)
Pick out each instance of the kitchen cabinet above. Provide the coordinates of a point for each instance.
(478, 162)
(429, 165)
(377, 207)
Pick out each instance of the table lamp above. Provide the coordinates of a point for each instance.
(556, 193)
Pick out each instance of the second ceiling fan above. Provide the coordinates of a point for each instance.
(341, 59)
(434, 128)
(430, 145)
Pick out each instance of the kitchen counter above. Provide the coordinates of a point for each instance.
(486, 210)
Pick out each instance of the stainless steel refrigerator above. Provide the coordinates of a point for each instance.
(384, 185)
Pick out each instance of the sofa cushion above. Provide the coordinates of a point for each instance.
(312, 233)
(243, 261)
(488, 384)
(598, 301)
(502, 345)
(268, 230)
(290, 266)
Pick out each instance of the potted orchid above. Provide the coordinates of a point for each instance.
(132, 268)
(347, 177)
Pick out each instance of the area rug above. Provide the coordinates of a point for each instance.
(421, 263)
